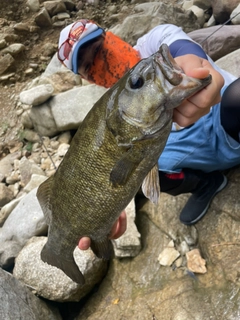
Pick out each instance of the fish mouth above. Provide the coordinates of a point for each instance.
(174, 74)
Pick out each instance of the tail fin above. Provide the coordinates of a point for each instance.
(69, 267)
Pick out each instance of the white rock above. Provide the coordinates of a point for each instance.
(25, 221)
(36, 95)
(168, 255)
(52, 283)
(129, 244)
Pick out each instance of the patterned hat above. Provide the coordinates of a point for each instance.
(72, 38)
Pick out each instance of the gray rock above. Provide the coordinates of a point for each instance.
(6, 62)
(14, 49)
(6, 195)
(36, 95)
(230, 62)
(218, 41)
(25, 221)
(18, 302)
(235, 15)
(149, 15)
(43, 19)
(50, 282)
(33, 5)
(34, 182)
(222, 9)
(129, 244)
(7, 209)
(54, 7)
(27, 168)
(66, 110)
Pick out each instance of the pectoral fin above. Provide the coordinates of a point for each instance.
(151, 185)
(122, 170)
(102, 249)
(44, 195)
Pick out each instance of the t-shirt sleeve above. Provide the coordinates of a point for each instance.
(182, 47)
(169, 34)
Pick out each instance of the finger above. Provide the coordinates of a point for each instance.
(199, 73)
(84, 243)
(120, 226)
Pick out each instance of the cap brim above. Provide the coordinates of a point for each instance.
(84, 40)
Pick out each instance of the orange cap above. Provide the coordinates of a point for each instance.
(112, 61)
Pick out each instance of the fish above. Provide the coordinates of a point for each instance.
(114, 152)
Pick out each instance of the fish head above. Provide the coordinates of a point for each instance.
(146, 95)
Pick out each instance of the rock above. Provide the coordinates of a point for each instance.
(6, 62)
(18, 302)
(7, 209)
(131, 285)
(33, 5)
(27, 168)
(136, 25)
(51, 282)
(223, 9)
(218, 42)
(14, 49)
(235, 15)
(43, 19)
(230, 62)
(195, 263)
(62, 150)
(199, 13)
(66, 110)
(54, 7)
(25, 221)
(36, 95)
(129, 244)
(34, 182)
(168, 255)
(6, 195)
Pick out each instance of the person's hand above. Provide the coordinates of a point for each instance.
(199, 104)
(118, 229)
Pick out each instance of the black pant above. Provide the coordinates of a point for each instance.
(230, 110)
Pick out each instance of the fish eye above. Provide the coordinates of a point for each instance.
(136, 82)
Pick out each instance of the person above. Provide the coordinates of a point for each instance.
(205, 135)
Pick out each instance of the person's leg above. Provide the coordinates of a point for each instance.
(203, 186)
(230, 110)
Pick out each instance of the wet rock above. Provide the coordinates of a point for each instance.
(195, 262)
(52, 283)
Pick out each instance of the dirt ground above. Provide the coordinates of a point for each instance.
(13, 12)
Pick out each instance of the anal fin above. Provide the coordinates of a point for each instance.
(102, 249)
(151, 185)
